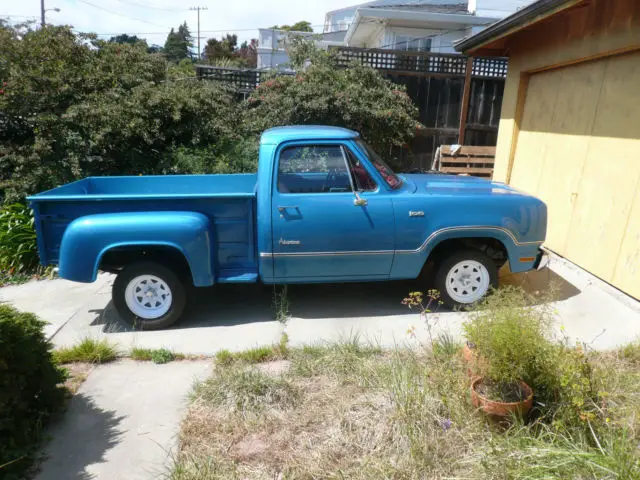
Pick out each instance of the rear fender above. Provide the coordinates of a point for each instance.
(87, 239)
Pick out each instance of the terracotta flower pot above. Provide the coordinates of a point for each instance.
(501, 409)
(472, 359)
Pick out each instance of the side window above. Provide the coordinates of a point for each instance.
(313, 169)
(361, 178)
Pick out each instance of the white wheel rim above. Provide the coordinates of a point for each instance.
(467, 281)
(148, 297)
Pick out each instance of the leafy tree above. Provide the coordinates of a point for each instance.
(223, 48)
(248, 53)
(357, 97)
(97, 107)
(225, 52)
(302, 26)
(178, 44)
(125, 38)
(181, 71)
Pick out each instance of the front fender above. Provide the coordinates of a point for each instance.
(87, 239)
(408, 263)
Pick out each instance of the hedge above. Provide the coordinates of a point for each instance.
(30, 391)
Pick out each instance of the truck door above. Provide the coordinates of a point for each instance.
(323, 230)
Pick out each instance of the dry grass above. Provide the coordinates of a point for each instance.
(350, 412)
(77, 372)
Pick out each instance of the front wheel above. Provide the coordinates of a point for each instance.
(465, 277)
(148, 295)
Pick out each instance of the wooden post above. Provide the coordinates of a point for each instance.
(466, 93)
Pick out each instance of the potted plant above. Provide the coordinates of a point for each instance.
(472, 359)
(510, 343)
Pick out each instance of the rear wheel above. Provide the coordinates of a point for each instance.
(149, 295)
(465, 277)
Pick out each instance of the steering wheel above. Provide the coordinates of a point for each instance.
(330, 181)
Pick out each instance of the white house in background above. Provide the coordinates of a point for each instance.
(420, 25)
(272, 46)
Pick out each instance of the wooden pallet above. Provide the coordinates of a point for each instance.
(467, 160)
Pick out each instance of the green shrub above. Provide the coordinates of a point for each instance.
(566, 387)
(88, 350)
(157, 355)
(29, 389)
(511, 335)
(162, 355)
(631, 352)
(18, 249)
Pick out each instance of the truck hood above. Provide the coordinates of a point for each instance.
(455, 184)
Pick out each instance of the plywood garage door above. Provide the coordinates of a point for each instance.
(579, 151)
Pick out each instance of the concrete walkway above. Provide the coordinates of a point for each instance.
(237, 317)
(122, 423)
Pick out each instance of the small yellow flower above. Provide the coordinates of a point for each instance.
(607, 420)
(562, 328)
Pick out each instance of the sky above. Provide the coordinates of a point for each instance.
(152, 19)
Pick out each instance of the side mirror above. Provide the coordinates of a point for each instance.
(359, 201)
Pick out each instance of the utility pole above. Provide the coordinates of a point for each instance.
(198, 8)
(42, 13)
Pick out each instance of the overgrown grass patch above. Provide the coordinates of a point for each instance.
(241, 390)
(351, 411)
(155, 355)
(631, 352)
(88, 350)
(267, 353)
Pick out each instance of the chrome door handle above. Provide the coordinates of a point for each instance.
(360, 202)
(284, 207)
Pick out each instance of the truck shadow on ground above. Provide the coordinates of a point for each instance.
(80, 438)
(230, 305)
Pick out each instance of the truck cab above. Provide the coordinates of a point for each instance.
(323, 207)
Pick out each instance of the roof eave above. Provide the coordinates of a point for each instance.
(523, 18)
(426, 16)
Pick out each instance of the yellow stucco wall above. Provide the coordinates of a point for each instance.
(570, 134)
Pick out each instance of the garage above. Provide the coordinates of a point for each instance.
(577, 152)
(570, 129)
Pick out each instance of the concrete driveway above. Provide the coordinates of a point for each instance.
(123, 421)
(237, 317)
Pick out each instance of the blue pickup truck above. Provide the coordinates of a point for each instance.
(323, 207)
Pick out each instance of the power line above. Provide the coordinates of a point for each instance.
(224, 30)
(120, 14)
(7, 15)
(152, 7)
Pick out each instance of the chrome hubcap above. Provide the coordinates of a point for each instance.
(467, 281)
(148, 296)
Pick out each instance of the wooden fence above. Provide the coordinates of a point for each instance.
(458, 98)
(446, 88)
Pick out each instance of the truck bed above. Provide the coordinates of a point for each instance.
(153, 186)
(228, 200)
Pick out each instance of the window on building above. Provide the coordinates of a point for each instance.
(412, 43)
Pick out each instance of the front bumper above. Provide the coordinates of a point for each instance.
(542, 260)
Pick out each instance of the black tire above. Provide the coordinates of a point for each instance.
(449, 262)
(178, 295)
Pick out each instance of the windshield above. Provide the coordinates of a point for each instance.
(387, 174)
